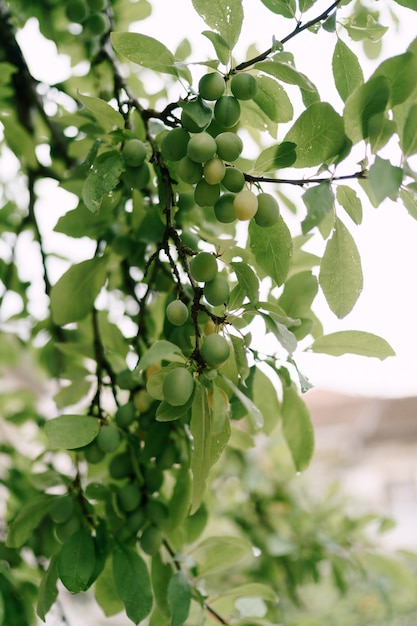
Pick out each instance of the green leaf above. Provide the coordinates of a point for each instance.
(281, 332)
(48, 591)
(216, 554)
(28, 518)
(380, 129)
(105, 591)
(220, 45)
(272, 248)
(366, 101)
(160, 350)
(247, 279)
(179, 598)
(400, 72)
(161, 574)
(340, 271)
(319, 201)
(319, 135)
(168, 413)
(102, 178)
(273, 100)
(145, 51)
(239, 350)
(353, 342)
(286, 73)
(348, 199)
(223, 16)
(252, 411)
(286, 8)
(265, 397)
(71, 431)
(104, 113)
(180, 502)
(364, 26)
(347, 71)
(76, 561)
(276, 157)
(408, 196)
(409, 134)
(201, 430)
(132, 582)
(384, 179)
(73, 296)
(410, 4)
(297, 427)
(198, 111)
(19, 141)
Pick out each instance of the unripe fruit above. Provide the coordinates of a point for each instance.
(76, 11)
(134, 152)
(203, 267)
(174, 144)
(120, 466)
(216, 291)
(154, 478)
(136, 177)
(125, 415)
(227, 111)
(214, 171)
(177, 313)
(151, 540)
(61, 509)
(156, 511)
(178, 386)
(245, 204)
(129, 497)
(135, 521)
(233, 180)
(268, 210)
(98, 24)
(190, 171)
(93, 454)
(97, 5)
(243, 86)
(215, 350)
(229, 146)
(209, 327)
(224, 209)
(211, 86)
(201, 147)
(205, 194)
(108, 439)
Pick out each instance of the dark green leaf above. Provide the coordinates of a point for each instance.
(410, 4)
(71, 431)
(48, 591)
(276, 157)
(347, 71)
(73, 296)
(132, 582)
(28, 518)
(340, 272)
(384, 179)
(180, 502)
(272, 249)
(105, 591)
(319, 201)
(366, 101)
(168, 413)
(297, 427)
(318, 134)
(102, 178)
(353, 342)
(223, 16)
(76, 561)
(179, 598)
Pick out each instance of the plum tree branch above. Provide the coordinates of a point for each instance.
(300, 182)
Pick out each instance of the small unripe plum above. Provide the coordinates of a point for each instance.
(136, 177)
(178, 386)
(61, 509)
(120, 466)
(98, 24)
(97, 5)
(151, 540)
(201, 147)
(233, 180)
(190, 171)
(217, 291)
(108, 439)
(206, 194)
(211, 86)
(174, 144)
(224, 209)
(125, 414)
(203, 267)
(134, 152)
(177, 313)
(215, 350)
(268, 210)
(92, 453)
(209, 327)
(227, 111)
(243, 86)
(135, 521)
(76, 11)
(214, 170)
(156, 511)
(245, 204)
(129, 497)
(229, 146)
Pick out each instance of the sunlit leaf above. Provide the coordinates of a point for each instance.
(272, 248)
(347, 71)
(286, 8)
(384, 179)
(108, 117)
(71, 431)
(366, 101)
(353, 342)
(273, 100)
(276, 157)
(349, 200)
(409, 135)
(223, 16)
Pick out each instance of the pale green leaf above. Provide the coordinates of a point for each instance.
(409, 134)
(286, 73)
(105, 591)
(253, 411)
(220, 45)
(347, 71)
(76, 561)
(104, 113)
(364, 26)
(297, 427)
(275, 157)
(273, 100)
(299, 293)
(132, 581)
(28, 518)
(408, 196)
(71, 431)
(400, 72)
(286, 8)
(348, 199)
(353, 342)
(247, 279)
(216, 554)
(239, 350)
(341, 276)
(265, 397)
(145, 51)
(102, 178)
(223, 16)
(168, 413)
(180, 502)
(179, 598)
(366, 101)
(318, 134)
(19, 141)
(380, 130)
(319, 201)
(201, 430)
(160, 350)
(384, 179)
(281, 332)
(272, 248)
(161, 574)
(73, 296)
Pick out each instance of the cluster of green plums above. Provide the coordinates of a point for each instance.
(91, 14)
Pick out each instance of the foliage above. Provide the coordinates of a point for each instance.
(131, 420)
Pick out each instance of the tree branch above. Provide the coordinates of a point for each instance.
(300, 182)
